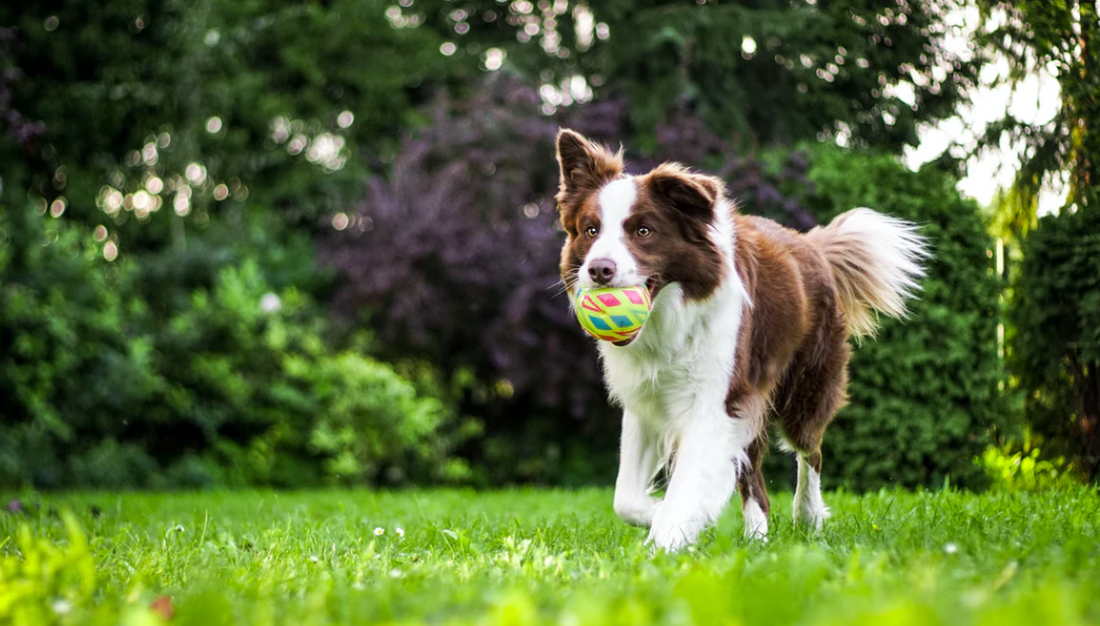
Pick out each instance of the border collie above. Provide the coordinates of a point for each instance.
(749, 328)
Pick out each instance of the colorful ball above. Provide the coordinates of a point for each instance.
(613, 314)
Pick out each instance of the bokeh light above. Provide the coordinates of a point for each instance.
(195, 173)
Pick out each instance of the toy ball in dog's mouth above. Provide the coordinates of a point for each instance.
(613, 314)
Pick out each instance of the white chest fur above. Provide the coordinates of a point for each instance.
(682, 362)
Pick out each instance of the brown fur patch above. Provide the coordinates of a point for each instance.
(584, 167)
(678, 207)
(750, 484)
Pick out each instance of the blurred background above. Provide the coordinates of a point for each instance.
(292, 244)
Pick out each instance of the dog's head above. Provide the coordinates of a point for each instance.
(653, 229)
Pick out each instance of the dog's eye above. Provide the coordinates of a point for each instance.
(644, 231)
(591, 231)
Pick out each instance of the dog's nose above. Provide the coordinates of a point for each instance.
(602, 271)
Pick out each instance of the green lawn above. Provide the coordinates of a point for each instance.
(517, 557)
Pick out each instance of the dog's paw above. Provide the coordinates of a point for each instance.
(756, 522)
(670, 534)
(810, 515)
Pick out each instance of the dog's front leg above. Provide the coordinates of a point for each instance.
(710, 453)
(637, 464)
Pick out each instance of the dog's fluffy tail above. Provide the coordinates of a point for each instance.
(876, 261)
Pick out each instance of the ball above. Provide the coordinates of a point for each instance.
(613, 314)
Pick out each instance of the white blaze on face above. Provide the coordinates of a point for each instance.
(615, 200)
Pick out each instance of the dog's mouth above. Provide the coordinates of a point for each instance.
(652, 287)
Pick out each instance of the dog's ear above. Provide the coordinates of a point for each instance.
(585, 166)
(693, 196)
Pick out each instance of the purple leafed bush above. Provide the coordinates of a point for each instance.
(453, 257)
(14, 124)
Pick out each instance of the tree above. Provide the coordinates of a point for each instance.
(1055, 349)
(165, 165)
(762, 71)
(166, 119)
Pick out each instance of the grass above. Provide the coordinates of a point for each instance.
(527, 556)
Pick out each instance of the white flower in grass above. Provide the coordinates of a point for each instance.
(378, 532)
(951, 548)
(400, 532)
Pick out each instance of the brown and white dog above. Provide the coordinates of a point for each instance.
(749, 327)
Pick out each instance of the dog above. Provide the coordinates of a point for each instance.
(749, 329)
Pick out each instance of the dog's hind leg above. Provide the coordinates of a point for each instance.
(809, 507)
(809, 400)
(804, 439)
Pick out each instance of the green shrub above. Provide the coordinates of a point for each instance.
(253, 377)
(238, 386)
(924, 393)
(1055, 349)
(1025, 467)
(73, 368)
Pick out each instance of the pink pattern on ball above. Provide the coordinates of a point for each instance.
(608, 299)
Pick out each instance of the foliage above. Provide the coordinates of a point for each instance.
(1063, 38)
(1056, 348)
(211, 136)
(1025, 467)
(16, 125)
(238, 386)
(44, 581)
(924, 393)
(69, 364)
(532, 557)
(197, 135)
(261, 387)
(766, 71)
(250, 93)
